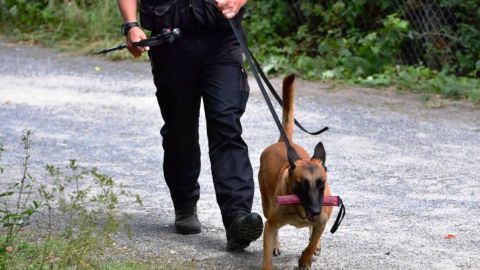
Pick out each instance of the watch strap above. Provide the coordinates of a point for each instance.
(127, 26)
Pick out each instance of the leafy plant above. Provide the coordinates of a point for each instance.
(78, 25)
(16, 204)
(80, 207)
(87, 201)
(356, 41)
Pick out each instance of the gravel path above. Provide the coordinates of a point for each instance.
(408, 171)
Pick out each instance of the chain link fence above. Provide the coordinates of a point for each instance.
(432, 39)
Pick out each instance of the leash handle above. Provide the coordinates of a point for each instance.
(166, 35)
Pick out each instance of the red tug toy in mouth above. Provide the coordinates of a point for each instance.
(293, 199)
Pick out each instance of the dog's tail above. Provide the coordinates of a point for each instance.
(288, 93)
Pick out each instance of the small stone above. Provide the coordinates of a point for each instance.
(9, 249)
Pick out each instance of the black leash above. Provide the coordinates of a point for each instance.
(279, 99)
(340, 216)
(291, 153)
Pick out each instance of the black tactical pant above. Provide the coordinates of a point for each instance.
(204, 65)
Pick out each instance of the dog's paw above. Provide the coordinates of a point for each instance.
(276, 252)
(304, 267)
(304, 264)
(317, 252)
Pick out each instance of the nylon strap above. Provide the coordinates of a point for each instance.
(291, 153)
(279, 99)
(340, 215)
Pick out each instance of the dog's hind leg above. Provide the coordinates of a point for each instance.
(276, 245)
(269, 233)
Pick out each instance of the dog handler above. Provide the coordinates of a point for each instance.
(204, 64)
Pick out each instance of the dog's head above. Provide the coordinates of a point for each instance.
(308, 179)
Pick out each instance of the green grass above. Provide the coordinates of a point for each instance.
(31, 253)
(426, 81)
(81, 27)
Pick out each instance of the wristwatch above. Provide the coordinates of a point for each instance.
(127, 26)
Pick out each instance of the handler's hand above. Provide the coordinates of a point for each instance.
(230, 8)
(134, 35)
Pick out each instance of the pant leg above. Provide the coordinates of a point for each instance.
(175, 72)
(225, 92)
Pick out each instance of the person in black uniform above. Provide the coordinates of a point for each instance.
(205, 63)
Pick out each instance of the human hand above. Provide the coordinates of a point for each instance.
(136, 34)
(230, 8)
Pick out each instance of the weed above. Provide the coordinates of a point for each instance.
(16, 204)
(80, 207)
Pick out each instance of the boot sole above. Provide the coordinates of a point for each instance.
(250, 231)
(188, 231)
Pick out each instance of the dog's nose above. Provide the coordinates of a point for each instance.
(315, 211)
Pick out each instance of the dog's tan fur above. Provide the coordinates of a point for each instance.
(276, 178)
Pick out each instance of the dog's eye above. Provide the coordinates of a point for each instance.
(320, 183)
(303, 184)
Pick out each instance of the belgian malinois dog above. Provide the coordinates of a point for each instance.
(306, 177)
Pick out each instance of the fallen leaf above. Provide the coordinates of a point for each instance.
(9, 249)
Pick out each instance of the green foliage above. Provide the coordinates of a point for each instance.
(83, 25)
(354, 40)
(467, 33)
(360, 41)
(319, 36)
(88, 202)
(425, 80)
(80, 207)
(28, 251)
(16, 204)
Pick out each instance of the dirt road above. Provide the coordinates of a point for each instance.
(408, 171)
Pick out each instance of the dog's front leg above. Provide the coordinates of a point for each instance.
(305, 261)
(319, 246)
(276, 245)
(268, 241)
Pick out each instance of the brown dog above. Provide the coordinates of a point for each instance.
(306, 178)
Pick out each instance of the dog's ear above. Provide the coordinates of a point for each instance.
(319, 153)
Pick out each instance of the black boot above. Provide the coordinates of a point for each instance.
(186, 221)
(243, 230)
